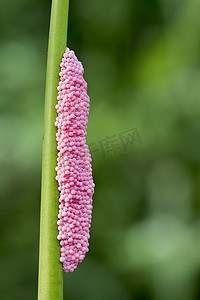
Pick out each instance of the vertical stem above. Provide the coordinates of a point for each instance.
(50, 285)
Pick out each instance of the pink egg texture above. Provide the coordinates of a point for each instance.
(74, 171)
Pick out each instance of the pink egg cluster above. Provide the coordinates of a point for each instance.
(74, 172)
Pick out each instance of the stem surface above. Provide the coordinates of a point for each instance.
(50, 285)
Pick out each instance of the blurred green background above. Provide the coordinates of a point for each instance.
(142, 65)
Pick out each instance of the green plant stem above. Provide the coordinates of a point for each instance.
(50, 285)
